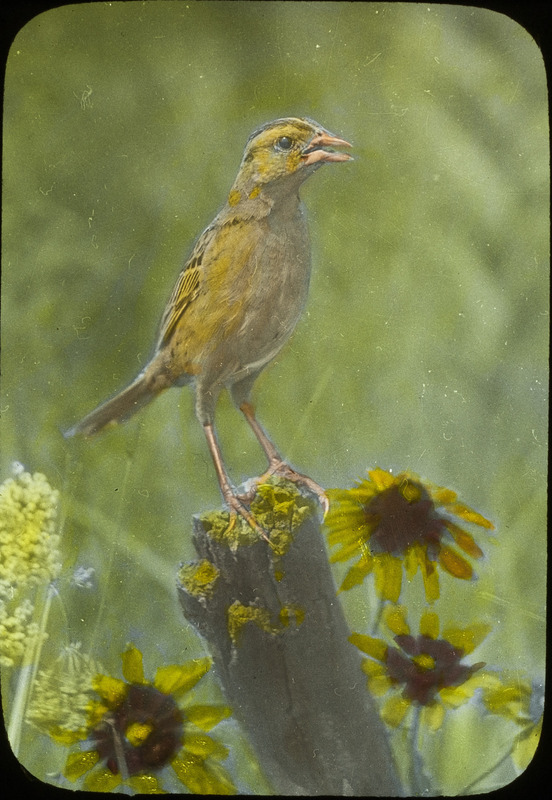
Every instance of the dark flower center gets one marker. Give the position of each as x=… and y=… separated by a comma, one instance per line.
x=401, y=516
x=143, y=732
x=425, y=666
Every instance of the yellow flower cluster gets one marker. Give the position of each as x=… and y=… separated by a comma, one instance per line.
x=29, y=555
x=16, y=628
x=62, y=695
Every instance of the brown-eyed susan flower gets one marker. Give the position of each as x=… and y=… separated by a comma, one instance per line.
x=424, y=670
x=396, y=521
x=136, y=728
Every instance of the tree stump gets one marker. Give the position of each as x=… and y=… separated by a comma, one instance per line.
x=279, y=641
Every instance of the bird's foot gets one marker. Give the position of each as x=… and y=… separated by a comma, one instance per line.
x=280, y=469
x=236, y=506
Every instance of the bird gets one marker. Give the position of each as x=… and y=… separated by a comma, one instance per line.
x=238, y=298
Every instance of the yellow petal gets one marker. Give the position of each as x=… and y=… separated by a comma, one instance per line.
x=133, y=670
x=200, y=744
x=395, y=619
x=454, y=564
x=112, y=690
x=348, y=550
x=429, y=624
x=464, y=540
x=179, y=678
x=97, y=710
x=206, y=716
x=382, y=479
x=379, y=681
x=456, y=696
x=477, y=680
x=372, y=647
x=510, y=699
x=357, y=573
x=503, y=699
x=433, y=715
x=378, y=686
x=443, y=496
x=79, y=763
x=102, y=780
x=431, y=579
x=363, y=491
x=388, y=576
x=65, y=737
x=468, y=514
x=337, y=496
x=413, y=558
x=467, y=638
x=394, y=710
x=525, y=745
x=145, y=784
x=201, y=778
x=372, y=668
x=343, y=529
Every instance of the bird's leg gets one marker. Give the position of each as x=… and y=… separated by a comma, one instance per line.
x=234, y=503
x=276, y=464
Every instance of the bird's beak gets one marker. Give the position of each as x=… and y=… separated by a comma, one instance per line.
x=316, y=152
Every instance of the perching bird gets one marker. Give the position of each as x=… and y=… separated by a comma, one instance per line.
x=239, y=295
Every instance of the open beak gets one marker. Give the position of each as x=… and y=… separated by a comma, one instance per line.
x=316, y=152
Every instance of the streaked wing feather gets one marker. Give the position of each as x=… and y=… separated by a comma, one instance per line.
x=183, y=293
x=186, y=288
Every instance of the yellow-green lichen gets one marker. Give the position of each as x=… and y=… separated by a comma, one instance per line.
x=239, y=616
x=232, y=531
x=292, y=612
x=278, y=507
x=199, y=578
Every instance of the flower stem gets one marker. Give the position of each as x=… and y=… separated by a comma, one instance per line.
x=420, y=785
x=377, y=618
x=487, y=772
x=27, y=673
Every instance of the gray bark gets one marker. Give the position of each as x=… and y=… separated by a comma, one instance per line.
x=296, y=688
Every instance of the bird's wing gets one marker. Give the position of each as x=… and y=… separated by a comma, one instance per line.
x=186, y=288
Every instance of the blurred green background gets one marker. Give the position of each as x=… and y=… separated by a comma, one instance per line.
x=425, y=341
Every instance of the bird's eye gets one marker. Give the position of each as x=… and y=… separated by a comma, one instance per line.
x=284, y=143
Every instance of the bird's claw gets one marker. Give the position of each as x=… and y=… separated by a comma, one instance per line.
x=236, y=505
x=282, y=470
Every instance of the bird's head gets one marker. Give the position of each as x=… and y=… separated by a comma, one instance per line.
x=284, y=148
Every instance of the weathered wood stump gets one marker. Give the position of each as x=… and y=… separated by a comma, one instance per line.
x=278, y=638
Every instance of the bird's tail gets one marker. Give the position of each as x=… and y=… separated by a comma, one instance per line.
x=119, y=408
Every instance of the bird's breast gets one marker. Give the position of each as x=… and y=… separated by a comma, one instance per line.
x=274, y=284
